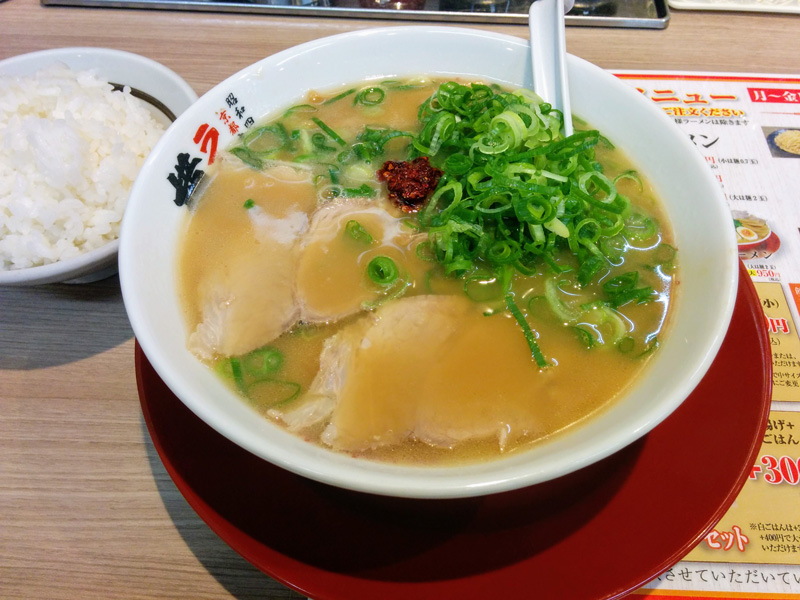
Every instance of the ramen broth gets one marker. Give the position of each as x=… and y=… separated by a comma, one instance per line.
x=429, y=369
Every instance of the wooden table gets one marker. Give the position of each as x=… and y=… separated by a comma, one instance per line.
x=86, y=507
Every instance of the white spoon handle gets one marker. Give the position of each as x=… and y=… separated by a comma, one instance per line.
x=549, y=55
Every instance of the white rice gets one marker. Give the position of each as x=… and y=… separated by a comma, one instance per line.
x=70, y=149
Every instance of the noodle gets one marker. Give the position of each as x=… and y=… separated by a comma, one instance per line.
x=789, y=141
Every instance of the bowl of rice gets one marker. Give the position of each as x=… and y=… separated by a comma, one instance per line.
x=76, y=124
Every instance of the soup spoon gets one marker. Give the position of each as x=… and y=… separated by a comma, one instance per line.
x=549, y=54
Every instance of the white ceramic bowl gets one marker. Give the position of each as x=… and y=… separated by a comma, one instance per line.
x=693, y=200
x=154, y=79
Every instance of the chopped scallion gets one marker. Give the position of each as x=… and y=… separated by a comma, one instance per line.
x=530, y=337
x=357, y=232
x=263, y=361
x=338, y=97
x=370, y=96
x=382, y=270
x=331, y=133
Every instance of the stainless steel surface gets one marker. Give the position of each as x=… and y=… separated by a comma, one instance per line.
x=647, y=14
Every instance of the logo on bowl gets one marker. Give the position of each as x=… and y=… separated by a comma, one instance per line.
x=186, y=175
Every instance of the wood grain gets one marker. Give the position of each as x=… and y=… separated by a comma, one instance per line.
x=86, y=508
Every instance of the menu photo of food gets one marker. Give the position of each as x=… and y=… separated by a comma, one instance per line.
x=783, y=142
x=754, y=236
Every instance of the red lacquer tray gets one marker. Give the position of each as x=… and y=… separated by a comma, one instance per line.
x=599, y=533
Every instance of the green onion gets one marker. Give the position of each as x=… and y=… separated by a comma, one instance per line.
x=626, y=344
x=247, y=157
x=333, y=174
x=290, y=389
x=262, y=143
x=249, y=203
x=584, y=337
x=263, y=361
x=370, y=96
x=364, y=190
x=597, y=185
x=536, y=353
x=370, y=144
x=267, y=139
x=425, y=251
x=515, y=190
x=621, y=283
x=639, y=227
x=238, y=376
x=482, y=287
x=256, y=369
x=664, y=254
x=331, y=133
x=564, y=312
x=623, y=289
x=390, y=292
x=357, y=232
x=338, y=97
x=589, y=269
x=320, y=142
x=299, y=108
x=633, y=176
x=457, y=164
x=611, y=320
x=382, y=270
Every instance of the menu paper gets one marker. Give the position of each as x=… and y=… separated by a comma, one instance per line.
x=747, y=128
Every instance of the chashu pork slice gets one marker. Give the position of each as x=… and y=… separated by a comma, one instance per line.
x=247, y=291
x=252, y=301
x=426, y=368
x=294, y=268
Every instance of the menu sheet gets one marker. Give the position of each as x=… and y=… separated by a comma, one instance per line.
x=747, y=129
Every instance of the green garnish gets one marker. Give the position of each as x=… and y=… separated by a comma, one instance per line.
x=515, y=190
x=633, y=176
x=664, y=254
x=639, y=227
x=622, y=289
x=516, y=193
x=290, y=389
x=482, y=287
x=262, y=144
x=584, y=337
x=320, y=142
x=370, y=96
x=364, y=190
x=370, y=144
x=626, y=344
x=331, y=133
x=382, y=270
x=357, y=232
x=258, y=369
x=338, y=97
x=249, y=203
x=530, y=337
x=300, y=108
x=238, y=376
x=263, y=361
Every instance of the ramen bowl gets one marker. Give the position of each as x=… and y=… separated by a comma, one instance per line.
x=690, y=196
